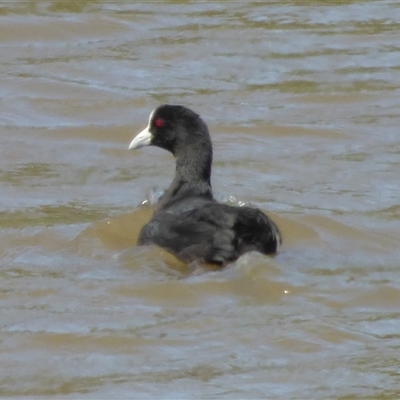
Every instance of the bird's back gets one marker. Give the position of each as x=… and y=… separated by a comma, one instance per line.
x=196, y=229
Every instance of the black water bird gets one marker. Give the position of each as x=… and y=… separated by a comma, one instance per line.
x=188, y=221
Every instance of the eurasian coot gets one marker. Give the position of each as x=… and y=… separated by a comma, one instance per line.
x=188, y=221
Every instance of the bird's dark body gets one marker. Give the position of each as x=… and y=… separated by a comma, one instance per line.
x=212, y=232
x=188, y=221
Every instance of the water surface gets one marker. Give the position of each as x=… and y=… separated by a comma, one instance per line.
x=302, y=101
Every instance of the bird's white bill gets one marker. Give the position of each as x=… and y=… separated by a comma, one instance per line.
x=141, y=140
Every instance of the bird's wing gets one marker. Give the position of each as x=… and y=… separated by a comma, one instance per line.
x=195, y=234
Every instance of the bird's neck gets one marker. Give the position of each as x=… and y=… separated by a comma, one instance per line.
x=192, y=179
x=194, y=167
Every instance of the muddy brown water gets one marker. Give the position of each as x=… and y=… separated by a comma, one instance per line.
x=302, y=99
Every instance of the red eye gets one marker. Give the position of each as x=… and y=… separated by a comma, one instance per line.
x=159, y=123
